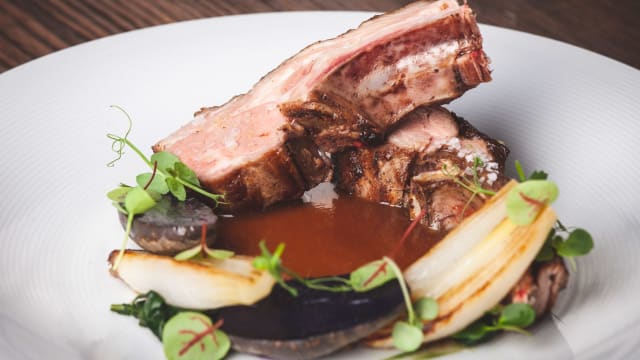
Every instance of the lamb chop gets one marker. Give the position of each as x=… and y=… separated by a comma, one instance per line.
x=419, y=164
x=272, y=143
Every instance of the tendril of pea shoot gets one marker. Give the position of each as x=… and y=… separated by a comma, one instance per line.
x=169, y=175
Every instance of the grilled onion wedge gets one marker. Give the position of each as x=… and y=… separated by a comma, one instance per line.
x=195, y=284
x=474, y=267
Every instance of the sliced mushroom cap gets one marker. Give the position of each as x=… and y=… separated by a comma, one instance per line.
x=313, y=324
x=172, y=226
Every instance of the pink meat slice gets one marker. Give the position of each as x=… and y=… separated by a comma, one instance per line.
x=350, y=88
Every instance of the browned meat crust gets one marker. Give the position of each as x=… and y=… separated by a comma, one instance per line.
x=272, y=178
x=413, y=174
x=379, y=174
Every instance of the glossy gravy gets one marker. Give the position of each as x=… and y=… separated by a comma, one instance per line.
x=327, y=234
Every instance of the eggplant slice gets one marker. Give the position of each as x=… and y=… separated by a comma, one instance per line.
x=313, y=324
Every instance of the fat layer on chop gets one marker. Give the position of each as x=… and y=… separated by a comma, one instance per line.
x=418, y=165
x=350, y=88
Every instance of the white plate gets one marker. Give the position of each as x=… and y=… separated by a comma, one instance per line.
x=560, y=108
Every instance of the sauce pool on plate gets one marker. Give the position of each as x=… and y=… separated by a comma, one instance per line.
x=327, y=234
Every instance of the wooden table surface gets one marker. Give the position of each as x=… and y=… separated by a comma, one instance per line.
x=33, y=28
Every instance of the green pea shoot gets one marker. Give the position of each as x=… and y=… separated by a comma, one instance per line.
x=513, y=317
x=169, y=175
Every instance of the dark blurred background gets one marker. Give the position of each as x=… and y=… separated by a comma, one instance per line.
x=33, y=28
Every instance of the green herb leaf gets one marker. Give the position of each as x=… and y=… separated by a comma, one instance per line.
x=431, y=351
x=260, y=263
x=561, y=226
x=118, y=194
x=578, y=243
x=370, y=276
x=271, y=263
x=191, y=336
x=166, y=161
x=527, y=199
x=520, y=171
x=176, y=188
x=218, y=253
x=158, y=184
x=186, y=174
x=426, y=308
x=473, y=333
x=512, y=317
x=189, y=253
x=546, y=252
x=138, y=201
x=150, y=309
x=538, y=175
x=119, y=207
x=406, y=337
x=518, y=315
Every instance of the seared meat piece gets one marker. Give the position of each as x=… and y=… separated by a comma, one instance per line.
x=380, y=173
x=349, y=88
x=540, y=285
x=417, y=167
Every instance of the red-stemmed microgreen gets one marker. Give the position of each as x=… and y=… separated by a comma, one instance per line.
x=192, y=336
x=527, y=199
x=382, y=265
x=202, y=250
x=561, y=241
x=272, y=263
x=185, y=335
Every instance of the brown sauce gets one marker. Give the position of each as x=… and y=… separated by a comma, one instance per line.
x=330, y=235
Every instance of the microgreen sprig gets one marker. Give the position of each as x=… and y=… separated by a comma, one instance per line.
x=513, y=317
x=168, y=169
x=185, y=335
x=272, y=263
x=473, y=185
x=527, y=199
x=567, y=243
x=150, y=309
x=169, y=175
x=202, y=250
x=524, y=203
x=407, y=335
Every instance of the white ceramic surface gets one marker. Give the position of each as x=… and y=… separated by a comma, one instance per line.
x=560, y=108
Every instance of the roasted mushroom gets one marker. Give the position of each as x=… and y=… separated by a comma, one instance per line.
x=172, y=226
